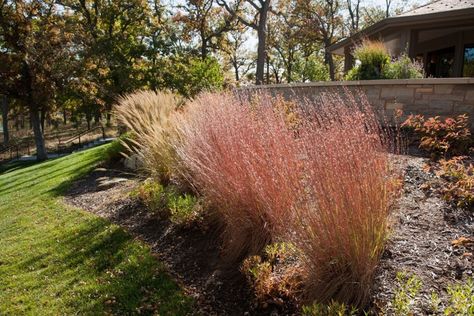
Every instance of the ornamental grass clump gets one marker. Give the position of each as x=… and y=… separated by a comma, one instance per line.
x=148, y=115
x=241, y=155
x=339, y=221
x=313, y=173
x=373, y=56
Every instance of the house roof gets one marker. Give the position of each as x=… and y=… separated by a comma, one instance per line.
x=439, y=6
x=435, y=12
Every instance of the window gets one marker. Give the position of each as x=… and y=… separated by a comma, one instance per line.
x=440, y=63
x=468, y=65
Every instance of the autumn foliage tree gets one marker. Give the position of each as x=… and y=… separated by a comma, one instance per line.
x=205, y=20
x=35, y=46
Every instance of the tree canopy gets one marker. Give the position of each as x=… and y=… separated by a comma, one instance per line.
x=76, y=57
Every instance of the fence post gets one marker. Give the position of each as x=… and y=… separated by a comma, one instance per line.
x=79, y=140
x=103, y=132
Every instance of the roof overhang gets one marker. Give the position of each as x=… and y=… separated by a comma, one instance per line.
x=415, y=21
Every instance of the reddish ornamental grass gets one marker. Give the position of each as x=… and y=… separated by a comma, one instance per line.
x=314, y=173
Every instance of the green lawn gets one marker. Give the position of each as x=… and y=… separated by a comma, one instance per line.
x=57, y=260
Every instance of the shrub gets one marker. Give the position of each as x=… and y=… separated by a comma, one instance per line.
x=441, y=138
x=151, y=194
x=403, y=68
x=331, y=309
x=189, y=76
x=460, y=298
x=320, y=180
x=373, y=56
x=275, y=276
x=148, y=115
x=460, y=176
x=168, y=202
x=310, y=69
x=375, y=63
x=408, y=289
x=183, y=207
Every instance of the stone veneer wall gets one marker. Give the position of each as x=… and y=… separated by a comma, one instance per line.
x=430, y=97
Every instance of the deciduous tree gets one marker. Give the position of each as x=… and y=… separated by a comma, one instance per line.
x=207, y=21
x=253, y=14
x=36, y=41
x=324, y=23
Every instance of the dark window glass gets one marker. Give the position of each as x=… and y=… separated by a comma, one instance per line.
x=468, y=66
x=440, y=63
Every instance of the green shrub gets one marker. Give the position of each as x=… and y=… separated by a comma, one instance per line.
x=151, y=193
x=461, y=299
x=331, y=309
x=189, y=76
x=182, y=207
x=373, y=56
x=403, y=68
x=310, y=69
x=374, y=63
x=408, y=289
x=168, y=201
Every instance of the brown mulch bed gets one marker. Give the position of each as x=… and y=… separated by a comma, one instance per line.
x=423, y=228
x=191, y=252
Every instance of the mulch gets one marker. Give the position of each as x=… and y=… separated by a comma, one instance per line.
x=190, y=252
x=423, y=227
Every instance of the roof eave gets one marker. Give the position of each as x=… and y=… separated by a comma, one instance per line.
x=400, y=20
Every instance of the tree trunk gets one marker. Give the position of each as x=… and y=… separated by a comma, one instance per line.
x=236, y=71
x=64, y=117
x=109, y=118
x=289, y=68
x=262, y=46
x=39, y=139
x=108, y=115
x=203, y=45
x=268, y=70
x=328, y=59
x=6, y=134
x=97, y=116
x=88, y=119
x=42, y=118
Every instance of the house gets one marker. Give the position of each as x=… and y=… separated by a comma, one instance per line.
x=440, y=35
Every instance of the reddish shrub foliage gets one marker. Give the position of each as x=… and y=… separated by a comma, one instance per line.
x=314, y=173
x=441, y=138
x=459, y=172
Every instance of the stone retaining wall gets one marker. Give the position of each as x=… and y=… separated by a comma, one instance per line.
x=430, y=97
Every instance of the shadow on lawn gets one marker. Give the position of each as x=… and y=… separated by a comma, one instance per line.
x=45, y=173
x=15, y=165
x=125, y=278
